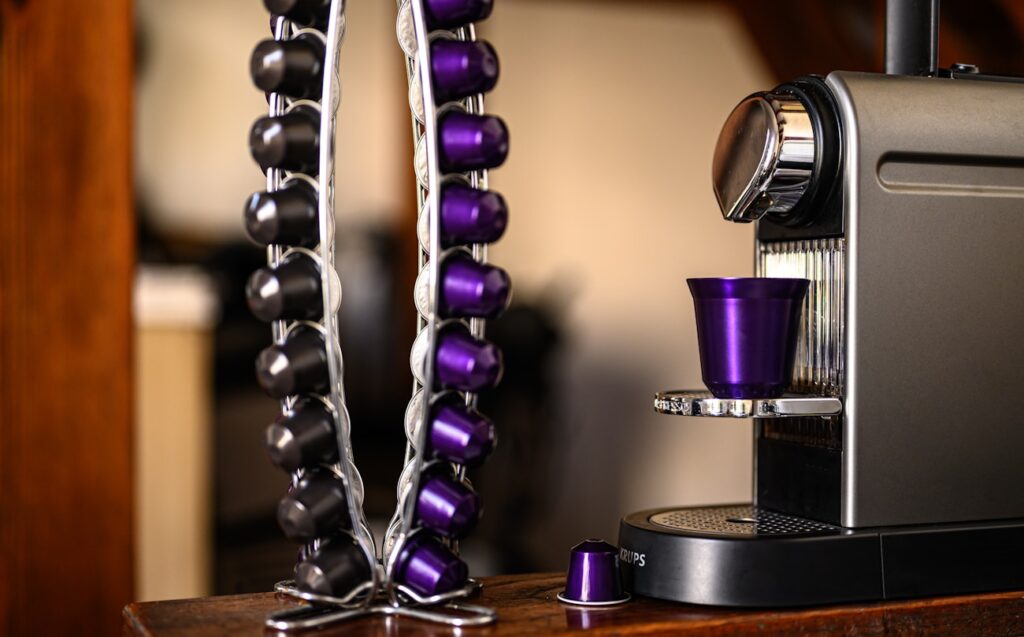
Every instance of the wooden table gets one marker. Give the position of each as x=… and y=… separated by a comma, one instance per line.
x=526, y=605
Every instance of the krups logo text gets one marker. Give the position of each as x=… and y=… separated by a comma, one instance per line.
x=632, y=557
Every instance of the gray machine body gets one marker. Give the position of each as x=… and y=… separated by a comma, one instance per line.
x=913, y=319
x=933, y=203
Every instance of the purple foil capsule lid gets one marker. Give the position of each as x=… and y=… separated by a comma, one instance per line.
x=471, y=289
x=472, y=142
x=429, y=568
x=460, y=435
x=462, y=68
x=470, y=215
x=456, y=13
x=446, y=506
x=465, y=363
x=593, y=576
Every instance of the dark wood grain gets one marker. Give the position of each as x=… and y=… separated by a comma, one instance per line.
x=66, y=260
x=526, y=606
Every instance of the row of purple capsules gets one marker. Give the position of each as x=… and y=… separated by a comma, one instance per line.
x=289, y=294
x=445, y=431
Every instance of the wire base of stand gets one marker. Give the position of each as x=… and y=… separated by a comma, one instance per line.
x=324, y=610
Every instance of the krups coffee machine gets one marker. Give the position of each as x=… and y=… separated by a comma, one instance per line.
x=894, y=467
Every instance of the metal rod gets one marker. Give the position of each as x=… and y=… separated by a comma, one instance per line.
x=433, y=203
x=912, y=37
x=331, y=96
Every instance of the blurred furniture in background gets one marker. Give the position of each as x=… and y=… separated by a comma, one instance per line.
x=797, y=37
x=66, y=262
x=526, y=606
x=175, y=313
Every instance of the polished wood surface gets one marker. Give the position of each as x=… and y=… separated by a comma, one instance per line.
x=526, y=605
x=66, y=261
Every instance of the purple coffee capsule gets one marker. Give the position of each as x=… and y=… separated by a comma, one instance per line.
x=462, y=362
x=471, y=142
x=747, y=330
x=471, y=289
x=467, y=364
x=459, y=434
x=297, y=366
x=290, y=290
x=429, y=568
x=335, y=569
x=449, y=14
x=462, y=68
x=446, y=506
x=468, y=288
x=290, y=141
x=304, y=438
x=287, y=216
x=593, y=578
x=314, y=508
x=471, y=215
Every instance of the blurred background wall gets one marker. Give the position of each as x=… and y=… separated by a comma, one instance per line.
x=614, y=114
x=614, y=109
x=130, y=451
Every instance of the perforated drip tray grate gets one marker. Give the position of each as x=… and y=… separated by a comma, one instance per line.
x=743, y=520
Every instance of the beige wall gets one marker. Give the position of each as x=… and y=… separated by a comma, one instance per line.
x=614, y=109
x=195, y=105
x=175, y=310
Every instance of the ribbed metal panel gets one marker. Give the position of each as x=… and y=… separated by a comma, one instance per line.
x=820, y=351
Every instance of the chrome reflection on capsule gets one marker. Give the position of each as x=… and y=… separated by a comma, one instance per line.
x=764, y=159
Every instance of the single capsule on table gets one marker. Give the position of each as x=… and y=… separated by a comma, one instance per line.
x=303, y=438
x=314, y=508
x=289, y=142
x=289, y=291
x=296, y=366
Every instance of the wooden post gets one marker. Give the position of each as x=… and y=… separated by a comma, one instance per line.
x=66, y=265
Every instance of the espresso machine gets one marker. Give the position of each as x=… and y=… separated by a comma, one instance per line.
x=893, y=466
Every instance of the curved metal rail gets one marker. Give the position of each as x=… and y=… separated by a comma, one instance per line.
x=331, y=97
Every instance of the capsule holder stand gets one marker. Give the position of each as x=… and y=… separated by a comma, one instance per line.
x=381, y=593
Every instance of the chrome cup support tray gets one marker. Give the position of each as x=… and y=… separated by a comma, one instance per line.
x=703, y=403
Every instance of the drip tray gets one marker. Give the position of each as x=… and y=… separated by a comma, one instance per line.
x=702, y=403
x=738, y=521
x=743, y=555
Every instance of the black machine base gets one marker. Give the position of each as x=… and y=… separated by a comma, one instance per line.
x=740, y=555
